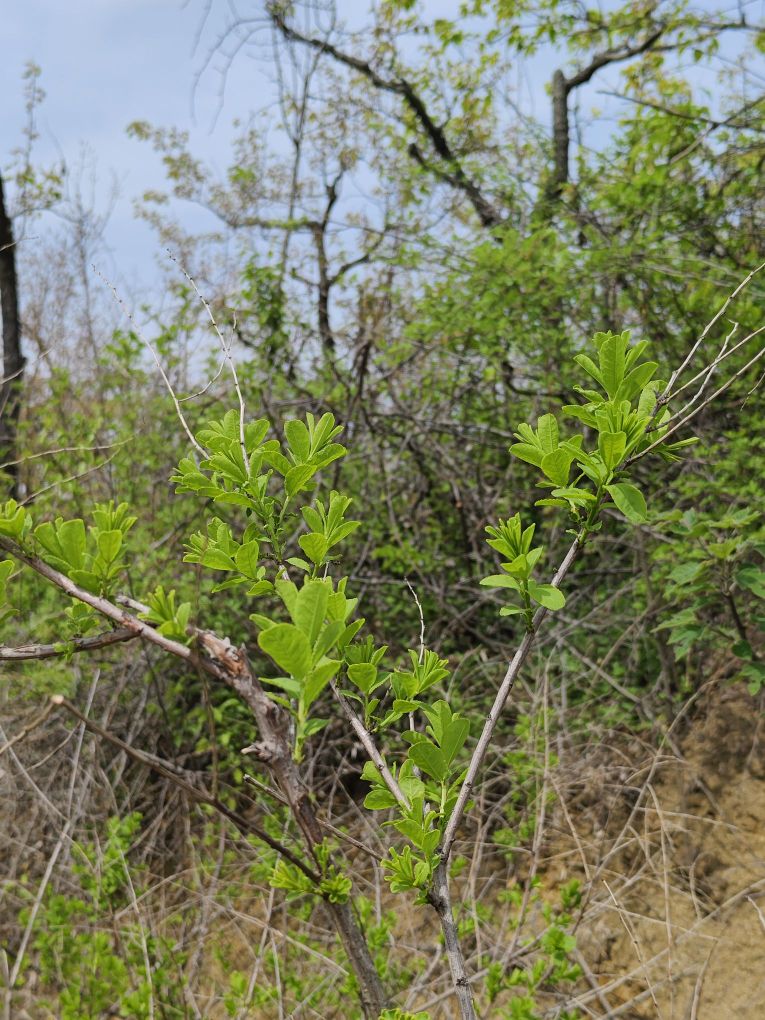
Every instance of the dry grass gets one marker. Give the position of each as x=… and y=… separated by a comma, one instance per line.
x=665, y=829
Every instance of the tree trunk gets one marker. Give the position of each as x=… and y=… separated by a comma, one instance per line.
x=560, y=90
x=13, y=361
x=273, y=750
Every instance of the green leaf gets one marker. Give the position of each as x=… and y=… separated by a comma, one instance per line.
x=439, y=716
x=404, y=705
x=612, y=446
x=371, y=774
x=231, y=582
x=318, y=679
x=363, y=675
x=298, y=439
x=230, y=464
x=64, y=541
x=289, y=684
x=454, y=737
x=547, y=595
x=379, y=799
x=71, y=536
x=328, y=637
x=753, y=578
x=520, y=567
x=247, y=559
x=612, y=363
x=329, y=453
x=12, y=519
x=310, y=608
x=531, y=454
x=413, y=831
x=630, y=501
x=109, y=545
x=590, y=367
x=411, y=786
x=547, y=430
x=500, y=581
x=296, y=478
x=314, y=546
x=575, y=494
x=233, y=498
x=584, y=414
x=288, y=647
x=86, y=579
x=755, y=673
x=298, y=561
x=313, y=726
x=276, y=459
x=350, y=633
x=262, y=622
x=6, y=569
x=287, y=592
x=635, y=381
x=430, y=759
x=557, y=465
x=684, y=573
x=215, y=559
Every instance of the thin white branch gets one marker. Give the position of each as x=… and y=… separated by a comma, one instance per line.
x=707, y=375
x=157, y=362
x=719, y=358
x=705, y=332
x=371, y=748
x=697, y=410
x=225, y=347
x=422, y=619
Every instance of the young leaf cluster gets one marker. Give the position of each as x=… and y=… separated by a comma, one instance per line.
x=308, y=650
x=430, y=778
x=238, y=469
x=623, y=418
x=92, y=557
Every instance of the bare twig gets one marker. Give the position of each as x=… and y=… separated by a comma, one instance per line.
x=700, y=407
x=26, y=730
x=665, y=396
x=157, y=362
x=225, y=347
x=370, y=747
x=417, y=602
x=402, y=87
x=81, y=644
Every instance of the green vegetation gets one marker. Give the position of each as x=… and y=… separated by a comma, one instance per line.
x=308, y=633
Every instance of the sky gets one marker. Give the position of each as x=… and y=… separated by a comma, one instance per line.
x=106, y=63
